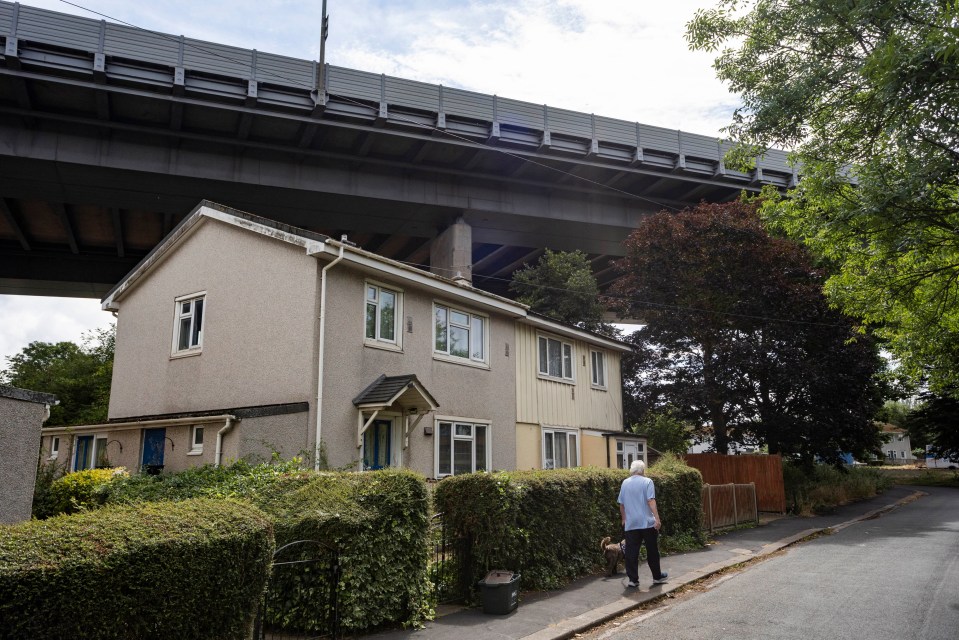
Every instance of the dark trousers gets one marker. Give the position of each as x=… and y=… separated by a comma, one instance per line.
x=634, y=538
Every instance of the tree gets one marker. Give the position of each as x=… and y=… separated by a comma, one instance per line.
x=739, y=336
x=666, y=431
x=79, y=375
x=867, y=95
x=936, y=422
x=562, y=286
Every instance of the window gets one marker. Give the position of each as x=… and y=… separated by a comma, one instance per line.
x=555, y=358
x=462, y=447
x=598, y=361
x=90, y=452
x=459, y=334
x=560, y=449
x=627, y=452
x=382, y=314
x=55, y=447
x=188, y=331
x=196, y=439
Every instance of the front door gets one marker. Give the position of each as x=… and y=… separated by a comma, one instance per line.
x=154, y=441
x=377, y=444
x=630, y=453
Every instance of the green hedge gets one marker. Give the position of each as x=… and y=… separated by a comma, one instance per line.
x=377, y=521
x=192, y=569
x=547, y=525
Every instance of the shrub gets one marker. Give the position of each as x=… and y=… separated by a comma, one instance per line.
x=186, y=570
x=81, y=490
x=824, y=487
x=547, y=525
x=43, y=502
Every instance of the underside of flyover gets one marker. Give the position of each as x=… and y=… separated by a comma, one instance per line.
x=110, y=135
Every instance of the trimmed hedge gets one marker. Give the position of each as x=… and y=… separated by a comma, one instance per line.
x=378, y=521
x=547, y=525
x=188, y=570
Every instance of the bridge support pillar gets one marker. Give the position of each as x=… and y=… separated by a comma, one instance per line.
x=451, y=254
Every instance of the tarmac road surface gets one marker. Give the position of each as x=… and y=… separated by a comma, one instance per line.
x=894, y=577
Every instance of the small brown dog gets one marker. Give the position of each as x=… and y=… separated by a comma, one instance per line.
x=613, y=552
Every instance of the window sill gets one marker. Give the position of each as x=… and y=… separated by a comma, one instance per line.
x=194, y=452
x=185, y=354
x=547, y=378
x=461, y=361
x=384, y=346
x=597, y=387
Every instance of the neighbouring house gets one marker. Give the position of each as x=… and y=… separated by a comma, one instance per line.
x=896, y=445
x=239, y=336
x=22, y=414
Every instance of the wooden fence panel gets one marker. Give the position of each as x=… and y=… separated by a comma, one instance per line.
x=727, y=505
x=765, y=471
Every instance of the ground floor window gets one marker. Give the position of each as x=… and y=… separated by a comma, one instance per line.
x=560, y=449
x=462, y=447
x=55, y=447
x=90, y=452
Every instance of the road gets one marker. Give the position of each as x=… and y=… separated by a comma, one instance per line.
x=889, y=578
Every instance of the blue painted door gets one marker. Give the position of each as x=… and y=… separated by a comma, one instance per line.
x=377, y=443
x=83, y=454
x=154, y=441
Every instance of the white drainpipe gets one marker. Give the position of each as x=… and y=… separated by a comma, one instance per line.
x=219, y=441
x=319, y=366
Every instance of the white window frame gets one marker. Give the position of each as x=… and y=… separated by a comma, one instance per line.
x=97, y=437
x=54, y=447
x=453, y=422
x=179, y=314
x=564, y=359
x=377, y=340
x=196, y=449
x=602, y=380
x=553, y=432
x=473, y=317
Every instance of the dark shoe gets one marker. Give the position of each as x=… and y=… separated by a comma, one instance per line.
x=662, y=578
x=632, y=584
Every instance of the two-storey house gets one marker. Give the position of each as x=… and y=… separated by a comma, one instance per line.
x=239, y=336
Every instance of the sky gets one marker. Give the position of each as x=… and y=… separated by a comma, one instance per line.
x=623, y=59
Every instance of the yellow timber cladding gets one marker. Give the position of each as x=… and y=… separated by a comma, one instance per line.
x=544, y=403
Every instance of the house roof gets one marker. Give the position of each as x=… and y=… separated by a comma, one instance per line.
x=26, y=395
x=386, y=391
x=324, y=247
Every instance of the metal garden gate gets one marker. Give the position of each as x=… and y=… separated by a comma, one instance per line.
x=447, y=568
x=300, y=602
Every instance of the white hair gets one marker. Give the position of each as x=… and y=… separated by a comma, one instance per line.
x=638, y=468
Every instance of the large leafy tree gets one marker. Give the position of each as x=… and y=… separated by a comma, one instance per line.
x=866, y=92
x=561, y=285
x=79, y=375
x=739, y=336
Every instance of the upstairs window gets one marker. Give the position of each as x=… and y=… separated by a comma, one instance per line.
x=555, y=358
x=459, y=334
x=188, y=331
x=598, y=367
x=382, y=314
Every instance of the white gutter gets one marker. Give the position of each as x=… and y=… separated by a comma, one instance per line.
x=319, y=365
x=135, y=424
x=218, y=457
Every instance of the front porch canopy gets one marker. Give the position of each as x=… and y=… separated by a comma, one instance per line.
x=400, y=393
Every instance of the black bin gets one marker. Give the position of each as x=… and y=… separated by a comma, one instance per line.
x=500, y=590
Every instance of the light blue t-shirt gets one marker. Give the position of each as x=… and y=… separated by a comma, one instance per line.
x=635, y=495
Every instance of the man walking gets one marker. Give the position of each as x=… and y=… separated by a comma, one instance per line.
x=637, y=508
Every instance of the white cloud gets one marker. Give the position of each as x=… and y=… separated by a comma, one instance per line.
x=27, y=319
x=618, y=58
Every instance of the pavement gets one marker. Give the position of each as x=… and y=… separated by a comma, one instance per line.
x=593, y=600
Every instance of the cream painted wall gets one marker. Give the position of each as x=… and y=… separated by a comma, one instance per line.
x=529, y=446
x=478, y=393
x=594, y=449
x=563, y=404
x=258, y=289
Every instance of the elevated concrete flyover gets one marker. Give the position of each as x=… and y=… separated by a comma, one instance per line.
x=110, y=134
